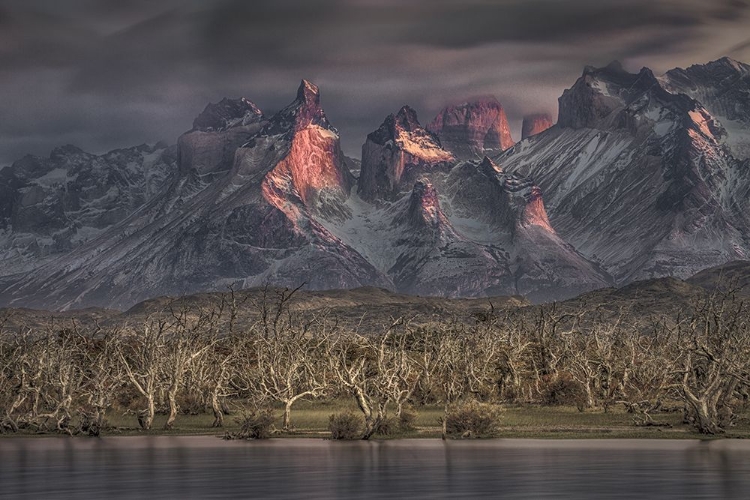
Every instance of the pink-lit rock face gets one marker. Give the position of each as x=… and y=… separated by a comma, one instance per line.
x=396, y=154
x=535, y=124
x=314, y=163
x=469, y=130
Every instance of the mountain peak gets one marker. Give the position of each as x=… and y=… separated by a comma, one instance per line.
x=406, y=119
x=308, y=93
x=468, y=130
x=66, y=150
x=424, y=206
x=592, y=102
x=397, y=153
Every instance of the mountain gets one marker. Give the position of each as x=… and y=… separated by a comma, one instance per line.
x=218, y=223
x=49, y=206
x=723, y=87
x=396, y=154
x=642, y=177
x=454, y=228
x=638, y=178
x=473, y=129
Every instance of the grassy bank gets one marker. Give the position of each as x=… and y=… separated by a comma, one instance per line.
x=310, y=419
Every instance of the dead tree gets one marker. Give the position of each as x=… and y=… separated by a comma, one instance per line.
x=374, y=370
x=140, y=354
x=713, y=349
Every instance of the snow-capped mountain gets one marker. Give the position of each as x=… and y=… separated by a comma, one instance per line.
x=637, y=178
x=49, y=206
x=640, y=177
x=252, y=223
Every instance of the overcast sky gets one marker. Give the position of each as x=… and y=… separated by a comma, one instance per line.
x=103, y=74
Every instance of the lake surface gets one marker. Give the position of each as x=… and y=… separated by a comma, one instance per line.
x=207, y=467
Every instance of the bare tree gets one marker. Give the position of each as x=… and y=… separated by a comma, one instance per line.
x=713, y=350
x=140, y=354
x=376, y=370
x=182, y=345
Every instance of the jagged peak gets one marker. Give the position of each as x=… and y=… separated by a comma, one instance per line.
x=308, y=93
x=303, y=112
x=726, y=62
x=406, y=119
x=424, y=205
x=599, y=92
x=404, y=127
x=613, y=67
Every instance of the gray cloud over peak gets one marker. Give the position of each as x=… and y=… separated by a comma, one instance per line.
x=108, y=73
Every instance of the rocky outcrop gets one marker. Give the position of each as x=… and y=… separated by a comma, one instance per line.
x=221, y=128
x=396, y=154
x=506, y=201
x=535, y=124
x=423, y=211
x=473, y=129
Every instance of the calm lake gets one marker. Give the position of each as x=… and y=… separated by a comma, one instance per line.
x=207, y=467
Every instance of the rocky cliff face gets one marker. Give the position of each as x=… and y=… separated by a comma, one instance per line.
x=314, y=169
x=474, y=129
x=535, y=124
x=221, y=128
x=396, y=154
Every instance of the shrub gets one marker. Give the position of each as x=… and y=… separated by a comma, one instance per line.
x=563, y=390
x=191, y=404
x=407, y=418
x=472, y=419
x=387, y=426
x=257, y=424
x=345, y=426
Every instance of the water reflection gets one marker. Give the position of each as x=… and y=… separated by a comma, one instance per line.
x=206, y=467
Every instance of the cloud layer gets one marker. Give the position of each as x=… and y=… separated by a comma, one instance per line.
x=114, y=73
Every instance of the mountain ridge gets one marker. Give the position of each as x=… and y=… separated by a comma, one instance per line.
x=637, y=179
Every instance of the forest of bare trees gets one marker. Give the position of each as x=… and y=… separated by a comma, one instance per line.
x=67, y=378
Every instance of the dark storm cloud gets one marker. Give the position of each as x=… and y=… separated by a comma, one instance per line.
x=109, y=73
